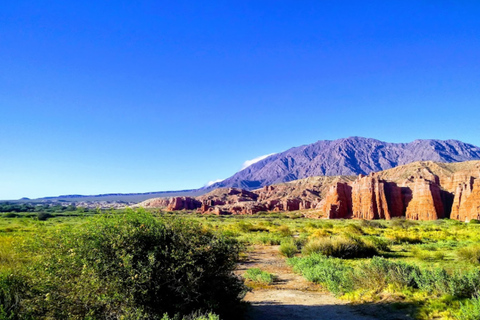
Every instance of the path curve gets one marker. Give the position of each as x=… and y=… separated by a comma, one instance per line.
x=293, y=297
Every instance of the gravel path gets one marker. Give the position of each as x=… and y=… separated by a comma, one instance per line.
x=292, y=297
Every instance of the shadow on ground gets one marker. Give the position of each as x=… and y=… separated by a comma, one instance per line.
x=376, y=311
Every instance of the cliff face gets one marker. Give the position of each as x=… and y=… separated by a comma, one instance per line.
x=426, y=203
x=373, y=198
x=419, y=191
x=338, y=202
x=466, y=205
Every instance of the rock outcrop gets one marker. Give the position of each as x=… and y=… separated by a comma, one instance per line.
x=418, y=191
x=466, y=204
x=426, y=203
x=183, y=203
x=338, y=202
x=373, y=198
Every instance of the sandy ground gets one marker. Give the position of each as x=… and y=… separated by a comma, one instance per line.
x=292, y=297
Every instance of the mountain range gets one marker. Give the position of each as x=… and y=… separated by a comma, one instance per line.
x=343, y=157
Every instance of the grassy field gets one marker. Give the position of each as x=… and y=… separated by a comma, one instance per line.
x=432, y=265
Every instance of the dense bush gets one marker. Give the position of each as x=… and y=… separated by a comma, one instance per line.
x=341, y=247
x=134, y=266
x=12, y=290
x=470, y=310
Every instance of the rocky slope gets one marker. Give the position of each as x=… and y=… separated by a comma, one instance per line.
x=420, y=191
x=350, y=156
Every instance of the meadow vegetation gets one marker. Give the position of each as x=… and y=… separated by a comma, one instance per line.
x=147, y=265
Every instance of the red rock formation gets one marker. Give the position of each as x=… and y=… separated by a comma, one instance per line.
x=426, y=203
x=373, y=198
x=337, y=204
x=182, y=203
x=156, y=203
x=466, y=204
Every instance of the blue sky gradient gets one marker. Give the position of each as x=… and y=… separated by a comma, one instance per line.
x=138, y=96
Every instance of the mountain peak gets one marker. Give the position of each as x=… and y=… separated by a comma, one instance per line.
x=347, y=156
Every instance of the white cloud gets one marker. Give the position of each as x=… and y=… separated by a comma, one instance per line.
x=250, y=162
x=209, y=183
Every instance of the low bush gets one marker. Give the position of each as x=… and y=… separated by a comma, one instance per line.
x=469, y=254
x=469, y=310
x=333, y=273
x=371, y=224
x=284, y=231
x=135, y=266
x=380, y=243
x=378, y=273
x=428, y=255
x=12, y=293
x=259, y=276
x=264, y=238
x=288, y=248
x=43, y=216
x=340, y=247
x=353, y=229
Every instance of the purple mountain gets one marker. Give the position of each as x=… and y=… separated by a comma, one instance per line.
x=350, y=156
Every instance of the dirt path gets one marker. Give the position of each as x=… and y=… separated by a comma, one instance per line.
x=292, y=297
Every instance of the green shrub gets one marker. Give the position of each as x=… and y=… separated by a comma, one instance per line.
x=340, y=247
x=427, y=255
x=284, y=231
x=435, y=280
x=13, y=289
x=470, y=254
x=353, y=229
x=288, y=248
x=135, y=266
x=43, y=216
x=371, y=224
x=470, y=310
x=259, y=276
x=333, y=273
x=264, y=238
x=402, y=223
x=10, y=215
x=381, y=244
x=380, y=272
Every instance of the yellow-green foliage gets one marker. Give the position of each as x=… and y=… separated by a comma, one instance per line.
x=340, y=247
x=259, y=276
x=469, y=254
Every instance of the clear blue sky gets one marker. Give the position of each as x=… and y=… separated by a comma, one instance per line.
x=137, y=96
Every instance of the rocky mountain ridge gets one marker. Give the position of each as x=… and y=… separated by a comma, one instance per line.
x=422, y=190
x=349, y=156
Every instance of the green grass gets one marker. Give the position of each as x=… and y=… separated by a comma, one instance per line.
x=259, y=276
x=445, y=253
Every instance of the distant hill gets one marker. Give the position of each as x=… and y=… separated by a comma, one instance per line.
x=112, y=197
x=349, y=156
